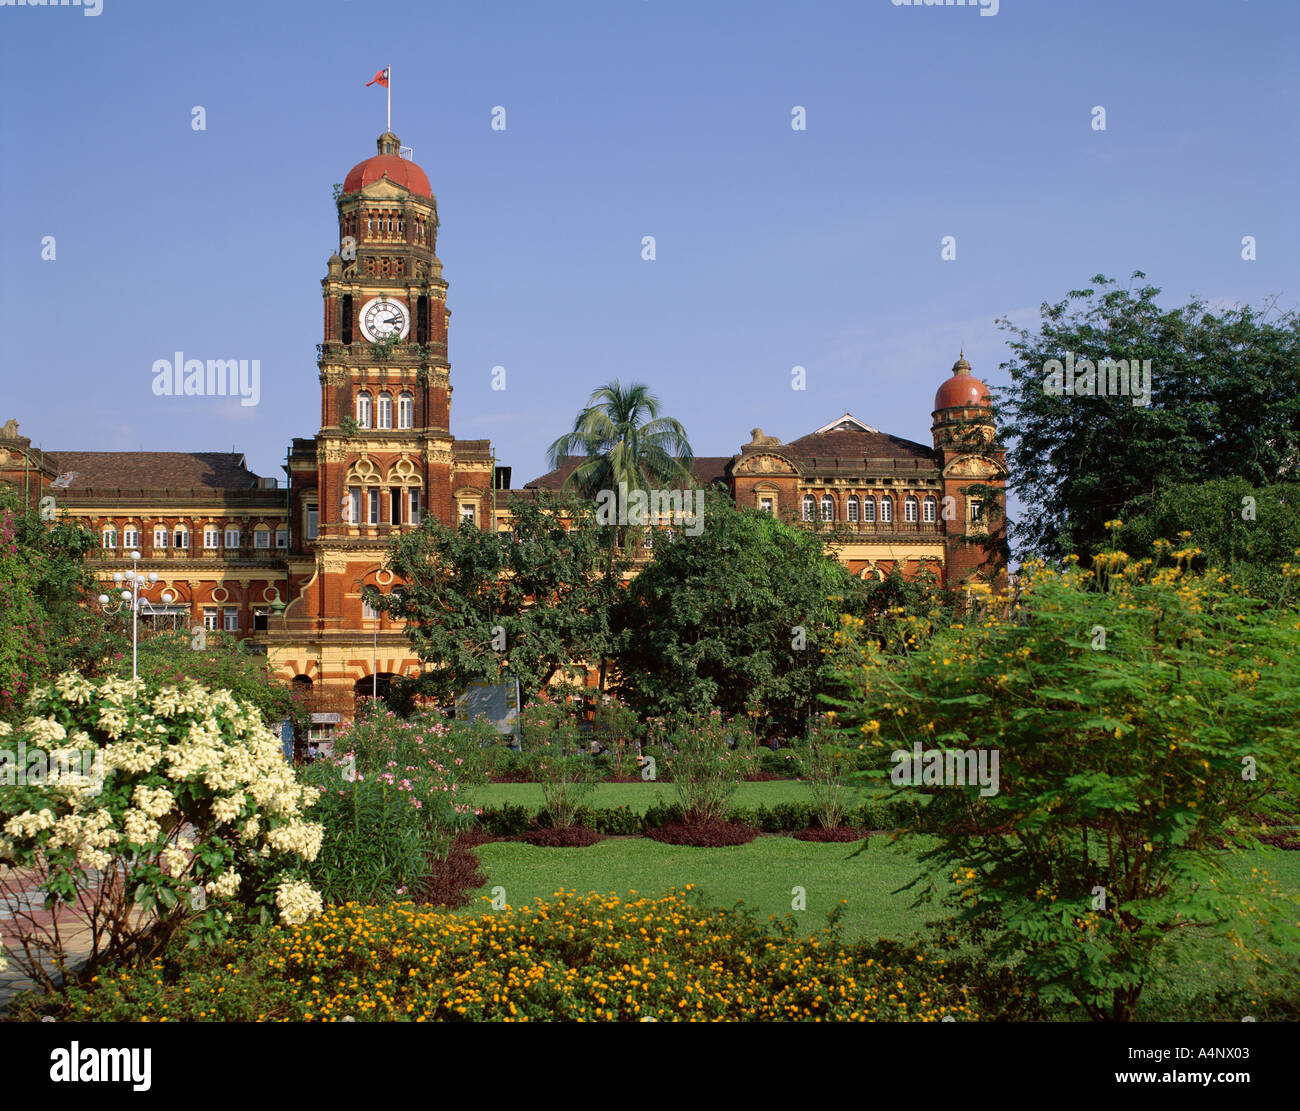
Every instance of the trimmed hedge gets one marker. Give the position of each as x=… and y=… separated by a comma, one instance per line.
x=621, y=821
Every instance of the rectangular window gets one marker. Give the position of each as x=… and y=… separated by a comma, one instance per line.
x=313, y=519
x=110, y=538
x=210, y=619
x=372, y=496
x=354, y=505
x=232, y=538
x=160, y=537
x=467, y=513
x=259, y=621
x=368, y=612
x=282, y=538
x=976, y=510
x=765, y=505
x=414, y=516
x=130, y=538
x=395, y=505
x=210, y=537
x=181, y=538
x=262, y=538
x=232, y=620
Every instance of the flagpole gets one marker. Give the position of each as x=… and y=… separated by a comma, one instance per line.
x=389, y=84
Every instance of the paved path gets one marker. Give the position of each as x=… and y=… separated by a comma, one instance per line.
x=31, y=898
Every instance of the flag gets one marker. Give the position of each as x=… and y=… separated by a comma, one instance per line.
x=380, y=78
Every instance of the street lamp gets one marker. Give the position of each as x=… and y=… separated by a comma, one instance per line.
x=132, y=598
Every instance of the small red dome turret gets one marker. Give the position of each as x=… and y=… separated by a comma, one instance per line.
x=388, y=163
x=962, y=389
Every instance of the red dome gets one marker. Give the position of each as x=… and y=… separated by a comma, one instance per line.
x=398, y=170
x=962, y=389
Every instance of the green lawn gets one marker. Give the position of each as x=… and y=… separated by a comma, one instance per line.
x=760, y=874
x=641, y=796
x=1208, y=982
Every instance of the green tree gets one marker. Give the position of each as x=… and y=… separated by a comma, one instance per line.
x=1141, y=715
x=46, y=590
x=480, y=604
x=1251, y=532
x=1225, y=401
x=623, y=439
x=731, y=619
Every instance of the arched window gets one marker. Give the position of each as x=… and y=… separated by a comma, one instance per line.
x=828, y=508
x=363, y=409
x=110, y=538
x=385, y=410
x=853, y=508
x=886, y=508
x=809, y=507
x=405, y=410
x=869, y=510
x=910, y=507
x=929, y=511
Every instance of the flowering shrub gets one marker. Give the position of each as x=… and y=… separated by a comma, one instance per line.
x=824, y=762
x=573, y=958
x=1145, y=714
x=198, y=820
x=708, y=756
x=552, y=745
x=392, y=796
x=433, y=762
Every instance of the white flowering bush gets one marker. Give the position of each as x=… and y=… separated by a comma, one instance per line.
x=198, y=822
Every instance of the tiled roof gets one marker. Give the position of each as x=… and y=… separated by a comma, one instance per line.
x=156, y=470
x=852, y=448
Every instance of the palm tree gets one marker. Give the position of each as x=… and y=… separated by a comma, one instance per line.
x=623, y=439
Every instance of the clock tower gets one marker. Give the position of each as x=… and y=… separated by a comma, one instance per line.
x=384, y=457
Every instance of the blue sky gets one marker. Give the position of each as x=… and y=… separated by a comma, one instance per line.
x=625, y=118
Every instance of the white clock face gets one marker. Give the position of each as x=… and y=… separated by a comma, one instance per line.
x=383, y=317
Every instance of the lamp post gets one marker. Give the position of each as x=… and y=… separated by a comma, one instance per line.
x=132, y=597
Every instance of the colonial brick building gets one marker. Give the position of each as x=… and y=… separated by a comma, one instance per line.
x=286, y=565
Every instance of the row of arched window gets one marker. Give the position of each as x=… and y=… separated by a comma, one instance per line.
x=372, y=414
x=386, y=224
x=866, y=509
x=178, y=537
